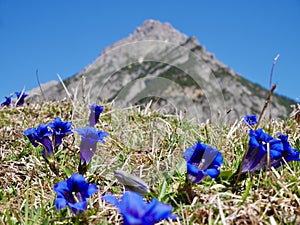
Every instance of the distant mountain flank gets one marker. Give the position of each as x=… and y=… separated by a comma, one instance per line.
x=159, y=63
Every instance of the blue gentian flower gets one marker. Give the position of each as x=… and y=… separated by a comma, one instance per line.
x=202, y=161
x=89, y=138
x=41, y=135
x=6, y=102
x=250, y=120
x=256, y=157
x=136, y=211
x=288, y=154
x=60, y=130
x=95, y=113
x=73, y=193
x=31, y=134
x=20, y=97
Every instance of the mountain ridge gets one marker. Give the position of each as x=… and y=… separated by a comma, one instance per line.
x=160, y=63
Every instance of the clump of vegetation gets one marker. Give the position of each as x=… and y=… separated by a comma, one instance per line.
x=186, y=172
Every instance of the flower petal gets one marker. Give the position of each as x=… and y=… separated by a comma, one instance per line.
x=92, y=189
x=96, y=110
x=250, y=120
x=158, y=211
x=192, y=170
x=133, y=204
x=188, y=153
x=200, y=158
x=135, y=210
x=102, y=135
x=60, y=203
x=82, y=205
x=73, y=192
x=111, y=199
x=31, y=134
x=213, y=173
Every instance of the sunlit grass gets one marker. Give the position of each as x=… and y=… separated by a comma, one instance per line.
x=150, y=145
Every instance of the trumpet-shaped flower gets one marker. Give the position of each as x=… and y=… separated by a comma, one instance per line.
x=136, y=211
x=73, y=193
x=288, y=154
x=20, y=97
x=6, y=102
x=250, y=120
x=31, y=134
x=41, y=135
x=256, y=157
x=60, y=130
x=96, y=110
x=259, y=143
x=202, y=161
x=89, y=138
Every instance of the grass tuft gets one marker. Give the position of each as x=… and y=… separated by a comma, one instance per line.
x=150, y=145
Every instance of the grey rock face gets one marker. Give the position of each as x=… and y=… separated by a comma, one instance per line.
x=158, y=62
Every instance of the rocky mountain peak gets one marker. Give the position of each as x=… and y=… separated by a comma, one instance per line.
x=155, y=30
x=161, y=35
x=152, y=30
x=158, y=61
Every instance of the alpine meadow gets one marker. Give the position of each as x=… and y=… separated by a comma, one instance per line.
x=155, y=131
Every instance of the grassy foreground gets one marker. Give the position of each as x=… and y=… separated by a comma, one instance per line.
x=150, y=145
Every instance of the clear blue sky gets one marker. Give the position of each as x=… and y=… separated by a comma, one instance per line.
x=65, y=36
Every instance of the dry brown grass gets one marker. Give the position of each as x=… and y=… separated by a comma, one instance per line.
x=150, y=145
